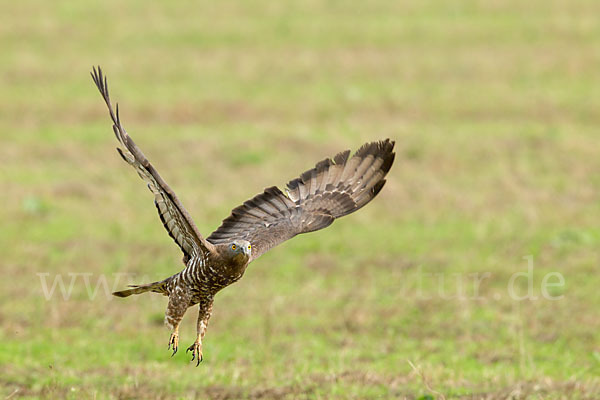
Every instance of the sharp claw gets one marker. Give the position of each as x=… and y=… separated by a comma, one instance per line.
x=196, y=353
x=173, y=344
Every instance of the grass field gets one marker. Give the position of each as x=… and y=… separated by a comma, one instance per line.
x=494, y=106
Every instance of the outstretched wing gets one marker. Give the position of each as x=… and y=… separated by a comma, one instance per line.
x=332, y=189
x=173, y=215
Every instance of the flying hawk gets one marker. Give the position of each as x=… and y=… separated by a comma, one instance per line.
x=333, y=188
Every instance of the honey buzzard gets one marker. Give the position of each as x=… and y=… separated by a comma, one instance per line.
x=333, y=188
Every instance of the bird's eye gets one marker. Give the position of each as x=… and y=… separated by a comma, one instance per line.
x=233, y=247
x=249, y=247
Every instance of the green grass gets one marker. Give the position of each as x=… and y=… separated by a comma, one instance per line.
x=494, y=108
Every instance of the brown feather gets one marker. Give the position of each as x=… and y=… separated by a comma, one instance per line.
x=332, y=189
x=172, y=213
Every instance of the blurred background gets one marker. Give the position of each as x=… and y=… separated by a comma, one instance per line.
x=494, y=109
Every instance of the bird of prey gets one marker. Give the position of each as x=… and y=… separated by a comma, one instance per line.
x=333, y=188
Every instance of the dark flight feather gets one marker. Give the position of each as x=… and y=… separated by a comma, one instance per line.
x=172, y=213
x=330, y=190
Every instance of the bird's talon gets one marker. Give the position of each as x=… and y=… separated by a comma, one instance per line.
x=196, y=350
x=174, y=342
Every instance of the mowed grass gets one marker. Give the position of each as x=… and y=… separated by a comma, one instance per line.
x=494, y=109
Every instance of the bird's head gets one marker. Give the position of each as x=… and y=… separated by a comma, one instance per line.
x=239, y=251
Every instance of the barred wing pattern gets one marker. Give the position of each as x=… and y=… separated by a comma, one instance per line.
x=173, y=215
x=332, y=189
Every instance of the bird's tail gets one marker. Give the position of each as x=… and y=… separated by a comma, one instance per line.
x=156, y=287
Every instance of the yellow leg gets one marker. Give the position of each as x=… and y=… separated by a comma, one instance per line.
x=203, y=316
x=178, y=304
x=196, y=349
x=174, y=340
